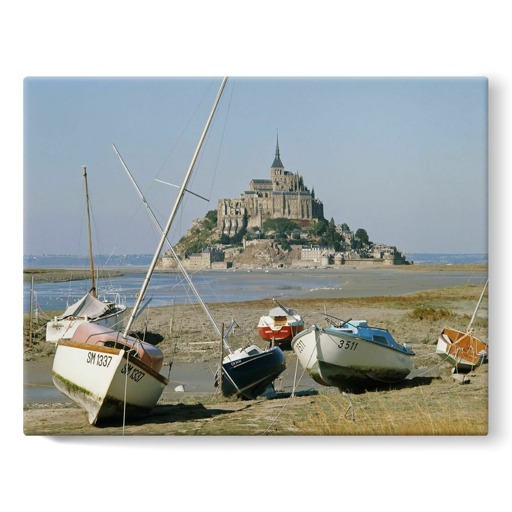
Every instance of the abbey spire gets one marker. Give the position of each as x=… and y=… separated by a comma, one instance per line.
x=277, y=159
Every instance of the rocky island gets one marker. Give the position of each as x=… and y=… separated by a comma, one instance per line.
x=277, y=222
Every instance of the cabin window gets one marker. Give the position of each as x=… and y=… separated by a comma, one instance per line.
x=380, y=339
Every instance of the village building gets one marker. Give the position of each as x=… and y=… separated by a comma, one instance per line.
x=210, y=258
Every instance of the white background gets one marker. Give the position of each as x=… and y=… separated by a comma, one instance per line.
x=278, y=38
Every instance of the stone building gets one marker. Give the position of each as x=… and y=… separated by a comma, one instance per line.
x=209, y=258
x=284, y=195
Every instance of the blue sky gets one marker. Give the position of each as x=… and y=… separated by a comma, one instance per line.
x=403, y=158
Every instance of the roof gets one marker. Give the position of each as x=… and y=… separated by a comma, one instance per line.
x=277, y=159
x=277, y=162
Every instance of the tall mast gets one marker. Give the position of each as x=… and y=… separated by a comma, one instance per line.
x=171, y=249
x=93, y=287
x=167, y=228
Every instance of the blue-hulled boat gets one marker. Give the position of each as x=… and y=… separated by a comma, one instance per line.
x=249, y=372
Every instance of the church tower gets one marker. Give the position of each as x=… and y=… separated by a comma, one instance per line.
x=277, y=169
x=283, y=195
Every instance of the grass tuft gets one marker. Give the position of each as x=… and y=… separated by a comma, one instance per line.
x=430, y=313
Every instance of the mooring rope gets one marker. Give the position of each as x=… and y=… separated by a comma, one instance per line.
x=290, y=398
x=125, y=389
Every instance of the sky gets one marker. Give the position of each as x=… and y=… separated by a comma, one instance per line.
x=404, y=158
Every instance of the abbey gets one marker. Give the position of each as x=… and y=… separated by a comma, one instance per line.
x=284, y=195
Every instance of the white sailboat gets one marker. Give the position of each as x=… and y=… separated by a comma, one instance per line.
x=89, y=308
x=462, y=349
x=109, y=373
x=352, y=355
x=246, y=372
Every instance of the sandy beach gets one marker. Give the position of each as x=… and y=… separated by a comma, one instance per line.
x=429, y=402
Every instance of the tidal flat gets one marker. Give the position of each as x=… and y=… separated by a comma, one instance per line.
x=428, y=403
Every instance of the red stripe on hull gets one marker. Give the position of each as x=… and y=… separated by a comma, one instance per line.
x=285, y=333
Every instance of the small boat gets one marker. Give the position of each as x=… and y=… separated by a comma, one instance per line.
x=250, y=372
x=463, y=350
x=89, y=308
x=111, y=374
x=352, y=355
x=108, y=374
x=280, y=325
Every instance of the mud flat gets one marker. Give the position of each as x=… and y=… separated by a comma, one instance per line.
x=430, y=402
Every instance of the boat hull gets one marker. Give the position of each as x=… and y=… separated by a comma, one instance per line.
x=105, y=382
x=279, y=334
x=349, y=362
x=65, y=328
x=280, y=325
x=249, y=377
x=461, y=350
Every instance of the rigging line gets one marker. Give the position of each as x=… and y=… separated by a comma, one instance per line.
x=125, y=389
x=193, y=179
x=290, y=398
x=430, y=368
x=200, y=159
x=223, y=308
x=221, y=140
x=130, y=223
x=187, y=124
x=107, y=275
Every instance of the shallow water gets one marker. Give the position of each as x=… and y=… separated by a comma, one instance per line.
x=196, y=379
x=242, y=285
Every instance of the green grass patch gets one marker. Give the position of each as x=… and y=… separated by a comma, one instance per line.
x=430, y=313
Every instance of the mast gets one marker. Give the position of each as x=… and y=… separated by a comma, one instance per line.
x=477, y=306
x=93, y=287
x=167, y=228
x=171, y=249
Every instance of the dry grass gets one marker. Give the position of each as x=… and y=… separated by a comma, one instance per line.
x=430, y=313
x=442, y=408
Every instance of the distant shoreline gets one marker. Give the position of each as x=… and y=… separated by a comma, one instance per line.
x=60, y=274
x=54, y=275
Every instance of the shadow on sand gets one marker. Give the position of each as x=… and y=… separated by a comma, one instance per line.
x=171, y=413
x=407, y=383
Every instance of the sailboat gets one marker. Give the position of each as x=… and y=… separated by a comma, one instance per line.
x=247, y=372
x=89, y=308
x=463, y=350
x=352, y=355
x=108, y=373
x=280, y=324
